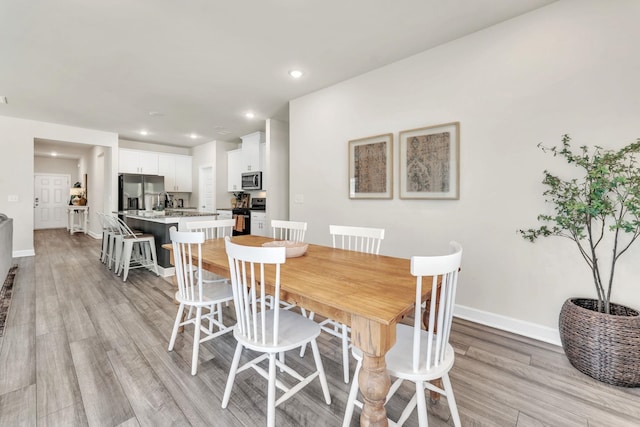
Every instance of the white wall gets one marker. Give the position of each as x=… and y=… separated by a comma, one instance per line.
x=57, y=166
x=16, y=170
x=98, y=196
x=277, y=171
x=571, y=67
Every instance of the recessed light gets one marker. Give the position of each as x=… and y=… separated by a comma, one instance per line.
x=53, y=154
x=155, y=113
x=249, y=115
x=3, y=100
x=144, y=132
x=193, y=136
x=296, y=74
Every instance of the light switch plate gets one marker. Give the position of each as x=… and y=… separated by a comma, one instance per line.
x=12, y=198
x=298, y=198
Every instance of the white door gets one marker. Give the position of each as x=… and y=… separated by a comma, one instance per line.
x=51, y=194
x=206, y=199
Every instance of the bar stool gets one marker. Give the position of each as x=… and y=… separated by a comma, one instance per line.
x=110, y=240
x=144, y=255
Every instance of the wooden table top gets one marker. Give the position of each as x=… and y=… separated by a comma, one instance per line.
x=334, y=283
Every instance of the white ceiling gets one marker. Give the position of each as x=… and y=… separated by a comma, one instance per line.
x=203, y=63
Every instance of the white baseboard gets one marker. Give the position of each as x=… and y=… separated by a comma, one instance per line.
x=520, y=327
x=95, y=235
x=20, y=254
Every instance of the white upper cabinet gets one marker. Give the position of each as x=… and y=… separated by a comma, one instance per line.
x=248, y=158
x=177, y=171
x=234, y=170
x=251, y=151
x=184, y=173
x=136, y=161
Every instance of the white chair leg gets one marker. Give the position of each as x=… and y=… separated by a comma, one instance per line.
x=302, y=350
x=117, y=258
x=126, y=259
x=353, y=393
x=321, y=375
x=345, y=354
x=152, y=246
x=271, y=392
x=453, y=407
x=112, y=251
x=176, y=326
x=232, y=375
x=423, y=420
x=196, y=341
x=105, y=245
x=219, y=308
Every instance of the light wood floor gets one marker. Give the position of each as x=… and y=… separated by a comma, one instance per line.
x=83, y=348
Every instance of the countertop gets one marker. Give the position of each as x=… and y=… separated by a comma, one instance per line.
x=167, y=216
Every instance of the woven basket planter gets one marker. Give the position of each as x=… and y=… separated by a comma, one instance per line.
x=604, y=346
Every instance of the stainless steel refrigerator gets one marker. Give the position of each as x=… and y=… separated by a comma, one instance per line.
x=139, y=192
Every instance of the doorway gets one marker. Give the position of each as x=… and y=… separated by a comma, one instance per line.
x=51, y=198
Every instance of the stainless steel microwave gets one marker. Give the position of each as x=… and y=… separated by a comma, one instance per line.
x=252, y=181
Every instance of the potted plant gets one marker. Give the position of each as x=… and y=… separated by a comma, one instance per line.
x=600, y=212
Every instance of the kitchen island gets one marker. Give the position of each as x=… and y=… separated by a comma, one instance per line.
x=158, y=224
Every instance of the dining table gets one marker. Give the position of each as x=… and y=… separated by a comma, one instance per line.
x=369, y=293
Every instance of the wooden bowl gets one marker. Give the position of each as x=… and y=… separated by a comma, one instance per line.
x=293, y=249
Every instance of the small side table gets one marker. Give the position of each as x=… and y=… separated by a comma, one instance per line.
x=81, y=213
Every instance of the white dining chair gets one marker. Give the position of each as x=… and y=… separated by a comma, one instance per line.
x=193, y=293
x=293, y=231
x=267, y=331
x=419, y=355
x=213, y=229
x=360, y=239
x=288, y=230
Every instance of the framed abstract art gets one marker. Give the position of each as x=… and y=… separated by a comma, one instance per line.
x=430, y=162
x=371, y=167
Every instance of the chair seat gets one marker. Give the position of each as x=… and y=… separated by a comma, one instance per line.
x=212, y=293
x=401, y=366
x=295, y=330
x=139, y=236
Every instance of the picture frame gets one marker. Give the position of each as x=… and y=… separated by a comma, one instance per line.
x=430, y=162
x=371, y=167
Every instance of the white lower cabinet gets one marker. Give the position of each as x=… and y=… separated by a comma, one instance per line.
x=259, y=224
